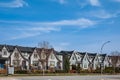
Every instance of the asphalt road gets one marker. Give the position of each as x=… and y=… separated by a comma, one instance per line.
x=95, y=77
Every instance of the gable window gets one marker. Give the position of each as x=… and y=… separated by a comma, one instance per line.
x=16, y=55
x=35, y=56
x=72, y=58
x=52, y=56
x=96, y=59
x=5, y=52
x=43, y=55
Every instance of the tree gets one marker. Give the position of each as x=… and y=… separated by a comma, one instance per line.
x=44, y=44
x=115, y=57
x=66, y=64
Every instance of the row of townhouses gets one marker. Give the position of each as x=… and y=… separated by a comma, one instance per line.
x=39, y=58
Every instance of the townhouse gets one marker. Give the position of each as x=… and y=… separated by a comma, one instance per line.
x=88, y=61
x=30, y=58
x=26, y=58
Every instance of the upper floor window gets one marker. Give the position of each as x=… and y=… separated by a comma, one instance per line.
x=52, y=56
x=35, y=56
x=35, y=63
x=72, y=58
x=43, y=55
x=16, y=55
x=4, y=52
x=85, y=59
x=96, y=59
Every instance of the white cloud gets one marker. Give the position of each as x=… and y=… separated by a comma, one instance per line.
x=27, y=29
x=24, y=35
x=42, y=29
x=60, y=1
x=82, y=22
x=103, y=14
x=13, y=4
x=95, y=2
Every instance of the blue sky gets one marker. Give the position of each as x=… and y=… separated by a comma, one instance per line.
x=82, y=25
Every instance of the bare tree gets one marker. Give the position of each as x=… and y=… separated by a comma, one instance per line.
x=44, y=44
x=115, y=57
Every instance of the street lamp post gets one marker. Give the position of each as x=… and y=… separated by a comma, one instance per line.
x=104, y=45
x=101, y=64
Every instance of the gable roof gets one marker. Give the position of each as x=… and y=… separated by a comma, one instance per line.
x=102, y=56
x=25, y=49
x=10, y=48
x=67, y=53
x=82, y=55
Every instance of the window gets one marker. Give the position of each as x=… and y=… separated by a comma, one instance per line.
x=85, y=65
x=72, y=58
x=16, y=55
x=5, y=52
x=96, y=59
x=52, y=63
x=42, y=55
x=52, y=56
x=35, y=63
x=16, y=62
x=35, y=55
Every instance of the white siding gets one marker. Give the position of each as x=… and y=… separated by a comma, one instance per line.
x=52, y=60
x=85, y=62
x=13, y=58
x=33, y=58
x=7, y=53
x=73, y=59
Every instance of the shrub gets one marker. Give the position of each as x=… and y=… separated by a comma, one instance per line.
x=108, y=70
x=59, y=71
x=72, y=71
x=84, y=71
x=21, y=72
x=117, y=69
x=98, y=70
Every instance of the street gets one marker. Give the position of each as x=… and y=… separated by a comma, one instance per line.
x=84, y=77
